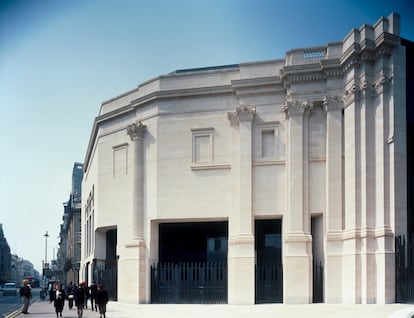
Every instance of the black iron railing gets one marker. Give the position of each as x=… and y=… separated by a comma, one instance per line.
x=269, y=282
x=189, y=282
x=317, y=282
x=107, y=275
x=404, y=269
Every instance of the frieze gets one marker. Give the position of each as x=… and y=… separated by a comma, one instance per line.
x=367, y=55
x=309, y=77
x=136, y=131
x=242, y=113
x=354, y=61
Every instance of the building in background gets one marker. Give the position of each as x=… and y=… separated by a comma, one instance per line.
x=21, y=269
x=5, y=258
x=68, y=258
x=272, y=181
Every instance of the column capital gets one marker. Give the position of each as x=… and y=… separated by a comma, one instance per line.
x=331, y=103
x=352, y=94
x=382, y=83
x=136, y=131
x=242, y=113
x=295, y=108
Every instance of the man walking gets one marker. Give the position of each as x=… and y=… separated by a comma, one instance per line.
x=93, y=289
x=26, y=295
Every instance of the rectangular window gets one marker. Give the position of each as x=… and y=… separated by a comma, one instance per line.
x=120, y=160
x=202, y=140
x=268, y=143
x=202, y=148
x=271, y=143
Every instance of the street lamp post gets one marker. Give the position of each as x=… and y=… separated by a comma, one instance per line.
x=45, y=266
x=46, y=236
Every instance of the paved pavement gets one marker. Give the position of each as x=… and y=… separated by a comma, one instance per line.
x=120, y=310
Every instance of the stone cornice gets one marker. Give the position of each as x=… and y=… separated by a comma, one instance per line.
x=325, y=68
x=97, y=122
x=198, y=91
x=256, y=86
x=369, y=52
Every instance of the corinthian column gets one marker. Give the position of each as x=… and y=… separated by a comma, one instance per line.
x=132, y=261
x=241, y=238
x=137, y=132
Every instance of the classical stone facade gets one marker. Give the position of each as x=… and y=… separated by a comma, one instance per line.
x=69, y=253
x=315, y=141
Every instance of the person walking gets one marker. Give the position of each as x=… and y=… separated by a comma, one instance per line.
x=57, y=295
x=80, y=297
x=70, y=291
x=26, y=295
x=93, y=289
x=101, y=299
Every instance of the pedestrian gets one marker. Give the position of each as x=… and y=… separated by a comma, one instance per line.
x=57, y=295
x=93, y=289
x=86, y=295
x=26, y=295
x=70, y=291
x=80, y=297
x=101, y=299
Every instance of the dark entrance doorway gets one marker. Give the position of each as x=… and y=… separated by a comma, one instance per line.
x=192, y=265
x=106, y=271
x=269, y=270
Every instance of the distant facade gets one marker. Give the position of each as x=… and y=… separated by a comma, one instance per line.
x=70, y=232
x=5, y=258
x=290, y=173
x=20, y=269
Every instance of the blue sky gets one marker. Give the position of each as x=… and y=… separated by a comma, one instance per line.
x=59, y=60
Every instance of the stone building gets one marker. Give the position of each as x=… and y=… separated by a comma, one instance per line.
x=69, y=252
x=5, y=258
x=299, y=163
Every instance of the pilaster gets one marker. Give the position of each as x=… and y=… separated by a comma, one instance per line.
x=351, y=275
x=334, y=202
x=367, y=176
x=383, y=231
x=297, y=260
x=241, y=258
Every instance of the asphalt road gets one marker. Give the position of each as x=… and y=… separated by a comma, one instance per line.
x=9, y=304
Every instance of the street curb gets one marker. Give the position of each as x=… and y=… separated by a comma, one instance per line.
x=403, y=313
x=17, y=312
x=13, y=314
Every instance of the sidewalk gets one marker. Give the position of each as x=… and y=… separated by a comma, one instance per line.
x=120, y=310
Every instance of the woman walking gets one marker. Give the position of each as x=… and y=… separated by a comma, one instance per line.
x=57, y=295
